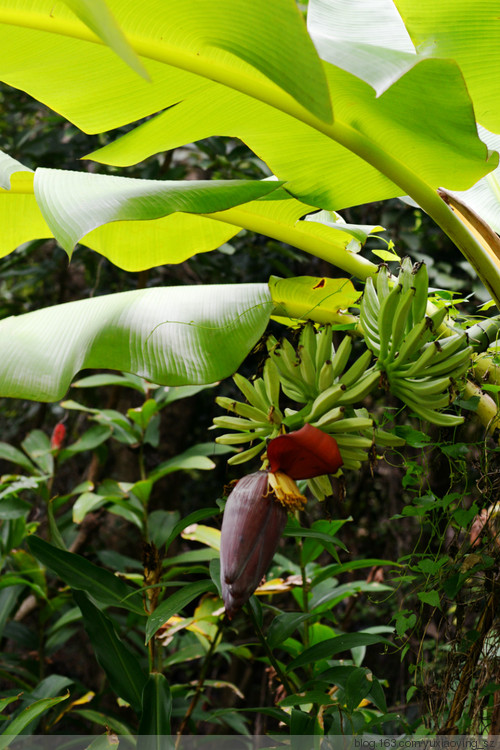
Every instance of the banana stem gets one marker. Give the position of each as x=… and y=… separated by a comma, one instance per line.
x=487, y=410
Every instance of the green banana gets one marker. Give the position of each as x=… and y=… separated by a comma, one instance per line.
x=244, y=410
x=382, y=437
x=456, y=365
x=435, y=417
x=308, y=339
x=345, y=440
x=327, y=421
x=400, y=321
x=424, y=388
x=341, y=356
x=350, y=424
x=235, y=438
x=418, y=368
x=450, y=345
x=325, y=401
x=270, y=382
x=306, y=367
x=387, y=311
x=240, y=458
x=325, y=376
x=421, y=285
x=383, y=288
x=324, y=347
x=436, y=401
x=237, y=423
x=362, y=388
x=356, y=370
x=250, y=393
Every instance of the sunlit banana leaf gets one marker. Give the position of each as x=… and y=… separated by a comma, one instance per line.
x=172, y=336
x=74, y=202
x=366, y=38
x=429, y=130
x=49, y=52
x=318, y=299
x=467, y=32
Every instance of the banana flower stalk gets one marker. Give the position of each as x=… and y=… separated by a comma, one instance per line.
x=256, y=510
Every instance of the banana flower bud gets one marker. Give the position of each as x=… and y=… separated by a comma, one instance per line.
x=256, y=510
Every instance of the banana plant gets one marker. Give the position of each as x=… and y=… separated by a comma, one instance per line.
x=364, y=120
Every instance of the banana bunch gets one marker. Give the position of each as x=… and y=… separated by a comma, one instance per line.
x=258, y=420
x=420, y=368
x=320, y=380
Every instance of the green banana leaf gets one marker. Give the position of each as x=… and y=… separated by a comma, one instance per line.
x=171, y=336
x=429, y=130
x=132, y=230
x=48, y=52
x=467, y=32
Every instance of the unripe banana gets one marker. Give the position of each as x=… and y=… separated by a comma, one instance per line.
x=327, y=421
x=370, y=301
x=450, y=345
x=434, y=401
x=236, y=438
x=271, y=382
x=320, y=486
x=237, y=423
x=353, y=464
x=324, y=347
x=350, y=424
x=401, y=321
x=383, y=289
x=325, y=401
x=421, y=285
x=405, y=278
x=240, y=458
x=361, y=389
x=345, y=440
x=418, y=368
x=435, y=417
x=382, y=437
x=424, y=388
x=306, y=367
x=251, y=395
x=308, y=339
x=244, y=410
x=341, y=356
x=412, y=342
x=387, y=311
x=353, y=454
x=325, y=376
x=353, y=374
x=456, y=365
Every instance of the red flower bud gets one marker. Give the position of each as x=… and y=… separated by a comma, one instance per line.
x=252, y=525
x=58, y=436
x=305, y=453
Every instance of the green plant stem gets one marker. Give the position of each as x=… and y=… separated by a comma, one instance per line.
x=279, y=672
x=199, y=685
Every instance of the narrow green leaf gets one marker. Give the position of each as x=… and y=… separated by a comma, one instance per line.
x=83, y=575
x=174, y=604
x=284, y=625
x=5, y=701
x=55, y=534
x=122, y=668
x=16, y=725
x=15, y=456
x=329, y=648
x=167, y=335
x=91, y=438
x=156, y=712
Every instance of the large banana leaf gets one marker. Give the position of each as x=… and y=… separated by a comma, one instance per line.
x=430, y=131
x=172, y=336
x=68, y=205
x=254, y=47
x=467, y=32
